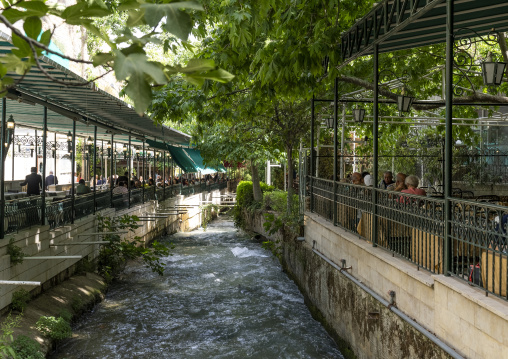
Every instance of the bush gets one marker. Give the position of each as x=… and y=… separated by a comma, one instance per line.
x=245, y=193
x=15, y=252
x=54, y=328
x=20, y=298
x=277, y=201
x=27, y=348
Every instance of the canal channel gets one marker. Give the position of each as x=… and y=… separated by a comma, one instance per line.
x=223, y=296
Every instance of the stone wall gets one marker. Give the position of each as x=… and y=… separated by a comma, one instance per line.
x=461, y=316
x=43, y=241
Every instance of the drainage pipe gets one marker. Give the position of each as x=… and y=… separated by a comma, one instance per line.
x=395, y=310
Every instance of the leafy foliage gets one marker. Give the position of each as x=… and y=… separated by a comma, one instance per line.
x=125, y=51
x=54, y=328
x=20, y=298
x=113, y=256
x=6, y=337
x=27, y=348
x=276, y=201
x=207, y=212
x=15, y=252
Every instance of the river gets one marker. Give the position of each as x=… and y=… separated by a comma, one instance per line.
x=223, y=296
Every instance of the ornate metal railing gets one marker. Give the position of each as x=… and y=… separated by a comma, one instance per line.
x=27, y=212
x=22, y=213
x=136, y=196
x=413, y=227
x=83, y=205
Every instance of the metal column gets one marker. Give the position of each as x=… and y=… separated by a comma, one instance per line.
x=73, y=162
x=3, y=130
x=44, y=140
x=312, y=155
x=112, y=181
x=164, y=176
x=448, y=135
x=375, y=134
x=335, y=123
x=36, y=148
x=94, y=168
x=54, y=161
x=143, y=170
x=130, y=171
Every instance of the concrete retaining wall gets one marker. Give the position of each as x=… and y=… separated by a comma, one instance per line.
x=461, y=316
x=43, y=241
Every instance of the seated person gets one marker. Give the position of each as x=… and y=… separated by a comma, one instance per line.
x=399, y=184
x=137, y=184
x=121, y=188
x=412, y=183
x=386, y=181
x=81, y=188
x=356, y=178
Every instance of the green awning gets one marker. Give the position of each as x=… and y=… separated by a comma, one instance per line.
x=195, y=155
x=182, y=159
x=157, y=145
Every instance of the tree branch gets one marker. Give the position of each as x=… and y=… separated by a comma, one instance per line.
x=35, y=43
x=229, y=93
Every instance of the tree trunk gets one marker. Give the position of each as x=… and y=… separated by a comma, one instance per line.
x=289, y=152
x=256, y=187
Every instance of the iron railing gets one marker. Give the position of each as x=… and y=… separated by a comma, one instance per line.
x=413, y=227
x=26, y=212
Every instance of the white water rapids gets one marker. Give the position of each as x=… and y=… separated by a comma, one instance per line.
x=223, y=296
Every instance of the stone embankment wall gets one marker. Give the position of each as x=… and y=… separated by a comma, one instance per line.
x=461, y=316
x=62, y=241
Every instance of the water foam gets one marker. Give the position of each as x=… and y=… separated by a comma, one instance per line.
x=244, y=252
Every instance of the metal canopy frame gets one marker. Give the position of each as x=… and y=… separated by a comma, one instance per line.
x=405, y=24
x=397, y=25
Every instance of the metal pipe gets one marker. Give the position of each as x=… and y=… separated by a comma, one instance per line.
x=18, y=282
x=52, y=257
x=394, y=309
x=79, y=243
x=143, y=170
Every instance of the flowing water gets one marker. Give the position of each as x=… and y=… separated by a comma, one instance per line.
x=223, y=296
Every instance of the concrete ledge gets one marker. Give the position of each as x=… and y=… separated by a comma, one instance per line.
x=381, y=253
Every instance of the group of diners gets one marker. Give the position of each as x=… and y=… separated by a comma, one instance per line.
x=403, y=183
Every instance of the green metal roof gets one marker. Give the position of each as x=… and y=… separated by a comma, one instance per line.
x=86, y=104
x=404, y=24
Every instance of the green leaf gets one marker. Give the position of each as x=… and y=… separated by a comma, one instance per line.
x=178, y=22
x=102, y=58
x=36, y=6
x=136, y=18
x=219, y=75
x=23, y=47
x=128, y=5
x=127, y=66
x=45, y=37
x=198, y=65
x=14, y=63
x=94, y=30
x=14, y=15
x=33, y=26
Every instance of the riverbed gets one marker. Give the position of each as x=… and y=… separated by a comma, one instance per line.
x=223, y=296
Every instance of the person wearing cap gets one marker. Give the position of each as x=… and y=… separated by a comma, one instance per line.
x=33, y=181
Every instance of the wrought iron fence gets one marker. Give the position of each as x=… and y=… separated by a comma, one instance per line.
x=83, y=205
x=413, y=227
x=136, y=196
x=22, y=213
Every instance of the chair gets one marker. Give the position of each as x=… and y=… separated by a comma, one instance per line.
x=488, y=198
x=457, y=192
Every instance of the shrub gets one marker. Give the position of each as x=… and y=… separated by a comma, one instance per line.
x=277, y=201
x=20, y=298
x=27, y=348
x=6, y=330
x=54, y=328
x=245, y=193
x=113, y=256
x=15, y=252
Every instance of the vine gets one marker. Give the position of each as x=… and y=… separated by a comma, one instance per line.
x=207, y=212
